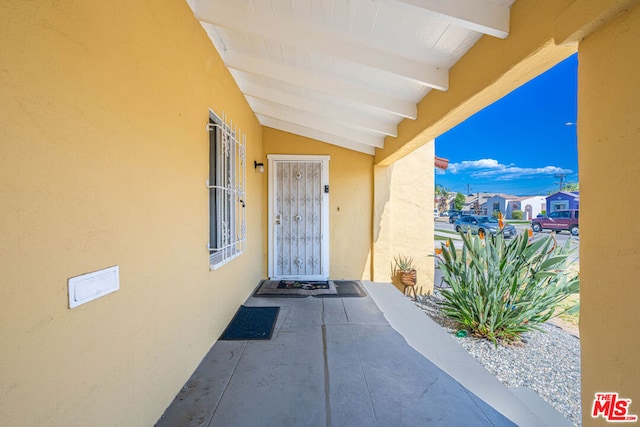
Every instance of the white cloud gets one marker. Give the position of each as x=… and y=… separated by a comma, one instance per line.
x=490, y=168
x=516, y=172
x=475, y=164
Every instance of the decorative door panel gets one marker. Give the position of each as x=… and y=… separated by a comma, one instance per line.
x=298, y=216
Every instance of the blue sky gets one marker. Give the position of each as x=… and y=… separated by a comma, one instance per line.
x=517, y=145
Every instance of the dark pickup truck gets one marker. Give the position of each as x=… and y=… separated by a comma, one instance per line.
x=557, y=221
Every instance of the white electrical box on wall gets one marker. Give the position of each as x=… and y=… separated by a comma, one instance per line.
x=90, y=286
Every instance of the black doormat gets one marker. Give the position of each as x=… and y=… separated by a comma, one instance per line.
x=346, y=288
x=294, y=288
x=302, y=284
x=251, y=323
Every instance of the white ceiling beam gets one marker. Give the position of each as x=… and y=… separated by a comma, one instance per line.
x=330, y=110
x=214, y=36
x=315, y=134
x=306, y=38
x=317, y=123
x=320, y=83
x=484, y=16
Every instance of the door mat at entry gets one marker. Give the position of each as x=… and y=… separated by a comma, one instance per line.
x=251, y=323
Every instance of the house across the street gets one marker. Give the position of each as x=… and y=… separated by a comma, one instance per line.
x=531, y=206
x=563, y=200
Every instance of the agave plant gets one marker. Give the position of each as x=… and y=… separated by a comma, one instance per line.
x=501, y=288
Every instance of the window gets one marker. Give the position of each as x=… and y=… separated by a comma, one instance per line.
x=227, y=193
x=559, y=205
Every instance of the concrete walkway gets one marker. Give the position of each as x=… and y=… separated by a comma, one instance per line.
x=371, y=361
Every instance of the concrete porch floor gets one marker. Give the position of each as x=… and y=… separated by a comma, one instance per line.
x=369, y=361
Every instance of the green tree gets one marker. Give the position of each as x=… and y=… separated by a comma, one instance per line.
x=568, y=187
x=571, y=186
x=458, y=202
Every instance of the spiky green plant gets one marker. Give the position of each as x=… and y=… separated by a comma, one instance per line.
x=501, y=288
x=402, y=263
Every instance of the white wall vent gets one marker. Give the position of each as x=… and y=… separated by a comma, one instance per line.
x=90, y=286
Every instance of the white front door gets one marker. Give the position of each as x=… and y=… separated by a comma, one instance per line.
x=298, y=217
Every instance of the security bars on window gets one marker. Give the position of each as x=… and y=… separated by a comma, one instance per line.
x=227, y=192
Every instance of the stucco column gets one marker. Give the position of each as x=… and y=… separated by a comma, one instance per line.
x=609, y=159
x=403, y=215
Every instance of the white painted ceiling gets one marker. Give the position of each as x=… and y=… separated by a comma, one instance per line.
x=344, y=72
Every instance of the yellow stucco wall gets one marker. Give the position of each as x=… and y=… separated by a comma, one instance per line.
x=609, y=159
x=403, y=216
x=350, y=200
x=103, y=161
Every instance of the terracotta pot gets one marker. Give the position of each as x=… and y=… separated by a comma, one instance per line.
x=409, y=278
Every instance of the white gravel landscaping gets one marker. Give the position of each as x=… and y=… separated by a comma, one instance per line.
x=547, y=362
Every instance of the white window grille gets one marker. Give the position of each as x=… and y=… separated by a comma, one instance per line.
x=227, y=191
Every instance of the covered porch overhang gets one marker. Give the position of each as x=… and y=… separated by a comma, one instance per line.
x=105, y=159
x=522, y=40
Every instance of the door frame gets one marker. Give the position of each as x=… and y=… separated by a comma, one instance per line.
x=272, y=158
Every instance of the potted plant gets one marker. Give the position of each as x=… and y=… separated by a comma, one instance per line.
x=404, y=268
